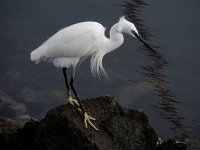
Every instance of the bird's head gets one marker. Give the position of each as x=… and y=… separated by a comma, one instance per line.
x=129, y=28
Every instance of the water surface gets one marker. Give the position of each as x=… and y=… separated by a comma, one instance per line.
x=165, y=86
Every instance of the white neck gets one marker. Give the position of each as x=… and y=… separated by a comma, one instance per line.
x=116, y=38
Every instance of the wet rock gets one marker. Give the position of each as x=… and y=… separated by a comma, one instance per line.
x=63, y=129
x=172, y=145
x=119, y=128
x=8, y=132
x=9, y=126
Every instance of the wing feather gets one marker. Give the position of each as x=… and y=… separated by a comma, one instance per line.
x=74, y=41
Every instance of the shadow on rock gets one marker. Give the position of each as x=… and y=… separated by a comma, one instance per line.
x=63, y=129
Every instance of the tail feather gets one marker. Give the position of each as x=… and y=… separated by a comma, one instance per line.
x=38, y=54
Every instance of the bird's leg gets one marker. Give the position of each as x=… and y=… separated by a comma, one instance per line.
x=70, y=100
x=81, y=109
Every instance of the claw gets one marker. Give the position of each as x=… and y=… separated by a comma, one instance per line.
x=87, y=121
x=87, y=118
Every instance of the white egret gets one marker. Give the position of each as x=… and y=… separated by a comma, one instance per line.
x=76, y=42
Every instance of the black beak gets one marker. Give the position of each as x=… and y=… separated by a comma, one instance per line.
x=142, y=40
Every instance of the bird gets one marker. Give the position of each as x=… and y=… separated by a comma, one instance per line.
x=68, y=47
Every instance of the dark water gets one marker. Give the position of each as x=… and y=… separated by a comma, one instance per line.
x=164, y=85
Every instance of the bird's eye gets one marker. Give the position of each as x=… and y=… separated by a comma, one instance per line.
x=134, y=33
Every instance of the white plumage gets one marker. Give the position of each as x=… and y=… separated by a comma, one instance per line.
x=87, y=39
x=67, y=46
x=78, y=41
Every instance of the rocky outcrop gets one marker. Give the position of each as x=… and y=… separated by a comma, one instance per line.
x=63, y=129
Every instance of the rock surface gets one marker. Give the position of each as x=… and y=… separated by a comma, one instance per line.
x=63, y=129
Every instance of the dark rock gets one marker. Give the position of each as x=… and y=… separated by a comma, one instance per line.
x=173, y=145
x=63, y=129
x=8, y=132
x=26, y=136
x=119, y=128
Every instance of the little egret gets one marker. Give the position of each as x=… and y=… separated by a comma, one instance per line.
x=74, y=43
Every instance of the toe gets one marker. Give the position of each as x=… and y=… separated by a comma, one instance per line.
x=72, y=101
x=87, y=121
x=91, y=118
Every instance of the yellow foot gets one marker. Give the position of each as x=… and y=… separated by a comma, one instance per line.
x=87, y=118
x=87, y=121
x=72, y=101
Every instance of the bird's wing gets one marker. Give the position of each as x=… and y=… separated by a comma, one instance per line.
x=74, y=41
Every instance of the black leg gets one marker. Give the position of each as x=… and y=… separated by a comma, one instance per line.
x=66, y=82
x=80, y=106
x=76, y=95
